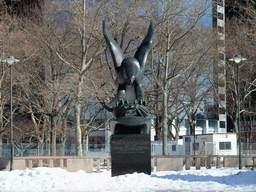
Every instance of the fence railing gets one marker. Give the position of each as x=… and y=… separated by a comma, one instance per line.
x=248, y=148
x=209, y=161
x=24, y=150
x=96, y=163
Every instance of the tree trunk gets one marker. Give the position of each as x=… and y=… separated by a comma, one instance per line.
x=53, y=136
x=164, y=128
x=165, y=99
x=177, y=134
x=78, y=133
x=48, y=144
x=63, y=136
x=86, y=142
x=1, y=145
x=158, y=127
x=41, y=148
x=62, y=149
x=165, y=95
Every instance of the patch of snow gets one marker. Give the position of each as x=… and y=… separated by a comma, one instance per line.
x=60, y=180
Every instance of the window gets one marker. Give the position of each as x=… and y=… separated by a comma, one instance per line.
x=222, y=110
x=221, y=29
x=173, y=147
x=225, y=145
x=222, y=124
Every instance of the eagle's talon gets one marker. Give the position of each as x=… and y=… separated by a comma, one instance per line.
x=122, y=102
x=140, y=102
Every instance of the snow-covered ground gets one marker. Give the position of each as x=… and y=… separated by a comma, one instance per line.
x=56, y=179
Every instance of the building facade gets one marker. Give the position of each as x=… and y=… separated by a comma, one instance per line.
x=218, y=16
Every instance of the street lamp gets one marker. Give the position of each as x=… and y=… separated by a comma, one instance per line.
x=10, y=60
x=238, y=59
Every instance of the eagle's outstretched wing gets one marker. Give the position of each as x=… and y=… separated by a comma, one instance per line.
x=116, y=52
x=144, y=48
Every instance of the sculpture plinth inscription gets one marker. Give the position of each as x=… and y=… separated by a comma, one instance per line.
x=130, y=153
x=137, y=143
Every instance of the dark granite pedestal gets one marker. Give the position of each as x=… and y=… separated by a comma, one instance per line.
x=130, y=146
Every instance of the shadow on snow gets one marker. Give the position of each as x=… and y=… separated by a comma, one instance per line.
x=241, y=178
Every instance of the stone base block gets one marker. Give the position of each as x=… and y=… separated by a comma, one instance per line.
x=169, y=164
x=74, y=165
x=5, y=163
x=19, y=164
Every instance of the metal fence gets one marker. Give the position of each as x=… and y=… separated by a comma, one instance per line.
x=248, y=148
x=34, y=149
x=25, y=150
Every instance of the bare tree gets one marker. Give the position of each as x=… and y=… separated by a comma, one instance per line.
x=175, y=25
x=241, y=40
x=11, y=43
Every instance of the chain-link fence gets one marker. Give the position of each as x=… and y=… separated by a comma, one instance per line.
x=173, y=149
x=35, y=149
x=248, y=148
x=24, y=149
x=209, y=148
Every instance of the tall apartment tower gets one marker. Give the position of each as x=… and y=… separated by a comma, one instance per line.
x=218, y=16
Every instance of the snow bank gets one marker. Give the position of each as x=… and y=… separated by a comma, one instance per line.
x=56, y=179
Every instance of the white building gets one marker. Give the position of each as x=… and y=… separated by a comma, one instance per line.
x=203, y=126
x=205, y=144
x=211, y=144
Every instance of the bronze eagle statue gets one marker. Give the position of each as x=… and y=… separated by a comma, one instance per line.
x=130, y=70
